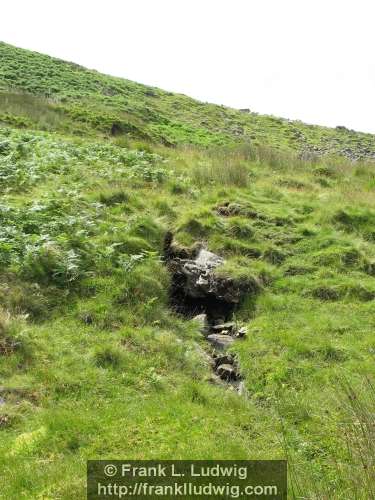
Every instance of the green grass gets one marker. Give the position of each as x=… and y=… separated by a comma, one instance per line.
x=37, y=91
x=93, y=362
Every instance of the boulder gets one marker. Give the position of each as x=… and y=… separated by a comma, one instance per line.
x=198, y=279
x=197, y=284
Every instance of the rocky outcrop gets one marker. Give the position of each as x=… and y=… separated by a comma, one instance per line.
x=195, y=281
x=197, y=287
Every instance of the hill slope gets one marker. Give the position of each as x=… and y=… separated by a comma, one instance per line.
x=94, y=361
x=72, y=98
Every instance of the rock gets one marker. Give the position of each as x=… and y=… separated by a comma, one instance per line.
x=2, y=401
x=225, y=332
x=198, y=279
x=229, y=326
x=223, y=359
x=227, y=372
x=202, y=321
x=4, y=420
x=208, y=259
x=220, y=341
x=242, y=332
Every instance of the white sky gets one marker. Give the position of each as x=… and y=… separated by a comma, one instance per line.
x=305, y=59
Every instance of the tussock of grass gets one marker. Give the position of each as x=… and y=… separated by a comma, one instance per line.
x=226, y=173
x=359, y=220
x=240, y=228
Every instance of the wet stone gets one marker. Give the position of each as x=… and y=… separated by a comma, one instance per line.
x=220, y=341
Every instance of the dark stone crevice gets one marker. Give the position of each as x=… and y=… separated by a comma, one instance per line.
x=215, y=309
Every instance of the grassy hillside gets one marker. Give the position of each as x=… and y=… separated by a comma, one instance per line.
x=37, y=91
x=94, y=363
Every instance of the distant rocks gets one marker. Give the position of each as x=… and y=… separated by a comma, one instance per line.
x=358, y=152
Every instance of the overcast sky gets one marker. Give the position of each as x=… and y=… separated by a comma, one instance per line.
x=311, y=60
